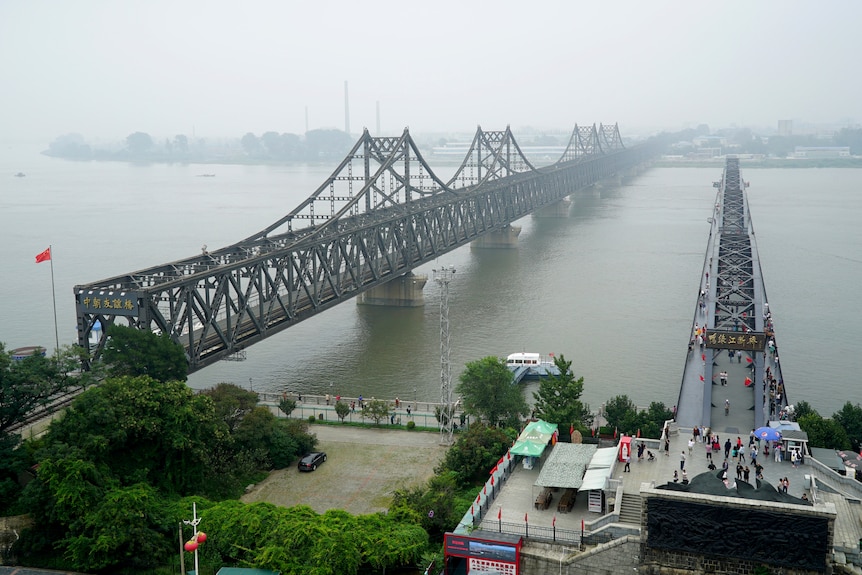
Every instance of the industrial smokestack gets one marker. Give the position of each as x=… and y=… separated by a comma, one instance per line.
x=346, y=109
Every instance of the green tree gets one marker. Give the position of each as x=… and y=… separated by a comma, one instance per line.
x=342, y=410
x=251, y=144
x=475, y=452
x=139, y=143
x=323, y=144
x=145, y=430
x=31, y=382
x=231, y=403
x=181, y=144
x=134, y=352
x=487, y=392
x=376, y=410
x=850, y=418
x=558, y=399
x=434, y=505
x=823, y=432
x=619, y=411
x=123, y=529
x=273, y=143
x=851, y=137
x=802, y=409
x=652, y=420
x=287, y=405
x=298, y=540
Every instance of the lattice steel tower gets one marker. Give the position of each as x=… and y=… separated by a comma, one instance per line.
x=443, y=276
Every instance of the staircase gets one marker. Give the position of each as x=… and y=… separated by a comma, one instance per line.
x=630, y=509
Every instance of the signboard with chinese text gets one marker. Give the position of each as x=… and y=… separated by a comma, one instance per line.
x=751, y=341
x=109, y=303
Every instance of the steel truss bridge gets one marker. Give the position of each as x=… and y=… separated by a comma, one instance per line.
x=381, y=213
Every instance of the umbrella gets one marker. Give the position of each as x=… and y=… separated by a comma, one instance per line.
x=767, y=433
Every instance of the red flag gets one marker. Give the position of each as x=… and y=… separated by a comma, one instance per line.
x=492, y=480
x=582, y=525
x=703, y=357
x=44, y=256
x=639, y=431
x=748, y=359
x=471, y=510
x=701, y=378
x=499, y=514
x=615, y=432
x=571, y=429
x=525, y=518
x=554, y=521
x=509, y=455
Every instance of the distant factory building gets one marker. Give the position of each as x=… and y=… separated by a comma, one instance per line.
x=821, y=152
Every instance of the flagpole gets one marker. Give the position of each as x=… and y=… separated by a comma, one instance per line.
x=54, y=297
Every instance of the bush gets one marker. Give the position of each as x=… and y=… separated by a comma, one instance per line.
x=311, y=419
x=411, y=425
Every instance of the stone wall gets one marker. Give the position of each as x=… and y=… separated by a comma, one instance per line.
x=688, y=533
x=613, y=558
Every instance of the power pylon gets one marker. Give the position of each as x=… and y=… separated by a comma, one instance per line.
x=443, y=276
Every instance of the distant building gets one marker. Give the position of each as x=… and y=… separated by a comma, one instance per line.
x=785, y=127
x=821, y=152
x=710, y=141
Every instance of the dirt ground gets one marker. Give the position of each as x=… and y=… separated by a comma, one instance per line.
x=363, y=468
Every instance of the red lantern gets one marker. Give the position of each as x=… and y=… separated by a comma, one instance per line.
x=191, y=545
x=201, y=536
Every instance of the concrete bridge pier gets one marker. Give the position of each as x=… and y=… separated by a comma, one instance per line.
x=404, y=291
x=559, y=209
x=506, y=238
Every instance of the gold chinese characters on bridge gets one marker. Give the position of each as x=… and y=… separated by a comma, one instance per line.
x=752, y=341
x=110, y=303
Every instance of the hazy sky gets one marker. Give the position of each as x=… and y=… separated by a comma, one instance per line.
x=223, y=68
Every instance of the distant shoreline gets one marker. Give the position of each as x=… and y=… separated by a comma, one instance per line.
x=788, y=163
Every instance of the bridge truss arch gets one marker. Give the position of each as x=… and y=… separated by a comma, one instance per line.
x=381, y=213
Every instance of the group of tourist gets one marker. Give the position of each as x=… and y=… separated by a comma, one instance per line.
x=733, y=451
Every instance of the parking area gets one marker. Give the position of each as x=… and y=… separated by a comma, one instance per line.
x=363, y=468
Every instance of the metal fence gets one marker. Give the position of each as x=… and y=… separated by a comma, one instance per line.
x=535, y=532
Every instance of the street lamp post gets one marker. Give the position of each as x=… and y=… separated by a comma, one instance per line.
x=198, y=537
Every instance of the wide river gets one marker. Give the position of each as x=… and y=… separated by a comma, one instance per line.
x=613, y=287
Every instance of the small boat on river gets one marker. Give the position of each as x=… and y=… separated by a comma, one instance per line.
x=531, y=365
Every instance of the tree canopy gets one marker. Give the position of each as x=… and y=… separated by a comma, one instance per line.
x=475, y=452
x=134, y=352
x=296, y=540
x=850, y=418
x=558, y=399
x=622, y=414
x=487, y=392
x=31, y=382
x=375, y=409
x=109, y=469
